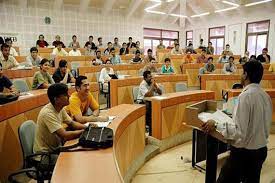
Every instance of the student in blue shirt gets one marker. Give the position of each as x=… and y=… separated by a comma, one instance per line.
x=167, y=68
x=115, y=59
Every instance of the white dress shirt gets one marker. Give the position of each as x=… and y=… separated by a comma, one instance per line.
x=13, y=52
x=74, y=53
x=143, y=89
x=252, y=118
x=104, y=75
x=227, y=69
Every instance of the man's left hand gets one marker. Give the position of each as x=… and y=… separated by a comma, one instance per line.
x=209, y=126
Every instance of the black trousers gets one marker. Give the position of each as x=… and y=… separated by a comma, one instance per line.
x=243, y=166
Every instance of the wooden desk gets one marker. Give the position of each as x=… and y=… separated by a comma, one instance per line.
x=219, y=82
x=12, y=115
x=168, y=111
x=20, y=59
x=107, y=165
x=121, y=89
x=23, y=73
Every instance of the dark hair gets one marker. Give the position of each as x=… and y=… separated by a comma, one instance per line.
x=149, y=50
x=177, y=44
x=91, y=37
x=41, y=35
x=1, y=65
x=203, y=50
x=43, y=61
x=176, y=40
x=137, y=51
x=97, y=51
x=201, y=39
x=265, y=49
x=253, y=57
x=231, y=57
x=99, y=38
x=115, y=38
x=4, y=46
x=123, y=43
x=33, y=49
x=130, y=38
x=112, y=49
x=62, y=63
x=79, y=80
x=55, y=90
x=145, y=74
x=108, y=60
x=254, y=71
x=210, y=58
x=210, y=42
x=59, y=43
x=109, y=42
x=74, y=36
x=227, y=45
x=8, y=39
x=167, y=59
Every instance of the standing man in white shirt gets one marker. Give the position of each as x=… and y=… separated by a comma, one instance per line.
x=249, y=131
x=74, y=51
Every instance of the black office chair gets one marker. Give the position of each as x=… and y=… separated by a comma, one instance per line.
x=31, y=166
x=234, y=86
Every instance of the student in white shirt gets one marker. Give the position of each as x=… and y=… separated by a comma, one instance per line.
x=104, y=77
x=59, y=51
x=176, y=50
x=248, y=132
x=33, y=59
x=74, y=51
x=98, y=60
x=230, y=67
x=13, y=52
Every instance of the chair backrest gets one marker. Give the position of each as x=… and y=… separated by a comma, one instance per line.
x=135, y=92
x=21, y=85
x=181, y=87
x=74, y=68
x=26, y=133
x=237, y=86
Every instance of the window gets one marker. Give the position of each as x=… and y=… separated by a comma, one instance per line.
x=216, y=36
x=189, y=37
x=152, y=37
x=257, y=36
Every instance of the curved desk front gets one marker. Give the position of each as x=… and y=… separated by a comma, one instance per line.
x=12, y=115
x=111, y=164
x=219, y=82
x=121, y=89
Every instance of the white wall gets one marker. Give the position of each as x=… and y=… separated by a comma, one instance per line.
x=235, y=26
x=67, y=21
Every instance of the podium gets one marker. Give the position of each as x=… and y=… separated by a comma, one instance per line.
x=205, y=147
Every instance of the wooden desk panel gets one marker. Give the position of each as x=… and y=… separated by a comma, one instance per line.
x=121, y=89
x=219, y=82
x=168, y=111
x=107, y=165
x=12, y=115
x=23, y=73
x=20, y=59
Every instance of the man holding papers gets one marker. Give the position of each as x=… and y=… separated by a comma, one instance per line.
x=248, y=132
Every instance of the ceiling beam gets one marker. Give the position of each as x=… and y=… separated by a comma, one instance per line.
x=58, y=4
x=169, y=9
x=133, y=7
x=84, y=4
x=108, y=5
x=183, y=4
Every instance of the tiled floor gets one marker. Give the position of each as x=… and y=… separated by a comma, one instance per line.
x=168, y=167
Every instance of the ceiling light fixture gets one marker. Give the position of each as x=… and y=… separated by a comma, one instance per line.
x=199, y=15
x=177, y=15
x=151, y=7
x=256, y=3
x=230, y=3
x=155, y=12
x=168, y=1
x=226, y=9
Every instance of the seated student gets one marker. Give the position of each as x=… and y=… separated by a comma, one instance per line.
x=224, y=58
x=107, y=51
x=188, y=59
x=6, y=83
x=91, y=43
x=245, y=58
x=74, y=38
x=253, y=58
x=149, y=56
x=74, y=51
x=208, y=68
x=210, y=49
x=167, y=68
x=190, y=48
x=104, y=76
x=130, y=44
x=123, y=50
x=115, y=59
x=161, y=45
x=82, y=100
x=59, y=51
x=151, y=66
x=100, y=44
x=139, y=48
x=228, y=50
x=42, y=79
x=202, y=57
x=88, y=50
x=116, y=44
x=13, y=52
x=58, y=41
x=176, y=50
x=137, y=59
x=264, y=57
x=1, y=41
x=50, y=134
x=7, y=61
x=201, y=46
x=148, y=87
x=230, y=67
x=98, y=60
x=41, y=43
x=33, y=59
x=63, y=74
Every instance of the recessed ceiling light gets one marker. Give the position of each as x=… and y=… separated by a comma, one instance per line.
x=260, y=2
x=153, y=6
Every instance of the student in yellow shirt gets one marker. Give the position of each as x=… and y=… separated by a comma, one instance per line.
x=272, y=68
x=81, y=101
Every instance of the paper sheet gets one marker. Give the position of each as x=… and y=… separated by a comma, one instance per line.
x=103, y=124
